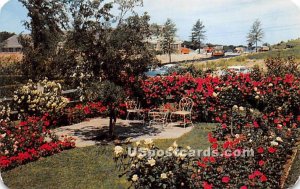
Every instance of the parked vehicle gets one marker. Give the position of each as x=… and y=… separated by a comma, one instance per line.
x=239, y=69
x=159, y=70
x=218, y=52
x=264, y=48
x=185, y=50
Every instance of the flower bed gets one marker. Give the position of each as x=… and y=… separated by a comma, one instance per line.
x=260, y=114
x=28, y=141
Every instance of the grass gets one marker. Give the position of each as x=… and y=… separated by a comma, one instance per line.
x=245, y=60
x=90, y=167
x=221, y=63
x=283, y=53
x=255, y=58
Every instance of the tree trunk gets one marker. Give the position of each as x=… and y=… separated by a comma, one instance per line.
x=256, y=45
x=112, y=121
x=199, y=46
x=169, y=56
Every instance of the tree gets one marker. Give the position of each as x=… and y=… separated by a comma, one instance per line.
x=255, y=34
x=125, y=7
x=198, y=34
x=46, y=25
x=168, y=35
x=80, y=33
x=250, y=45
x=110, y=54
x=155, y=30
x=5, y=35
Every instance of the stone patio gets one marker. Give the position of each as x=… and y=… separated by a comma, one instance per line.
x=89, y=132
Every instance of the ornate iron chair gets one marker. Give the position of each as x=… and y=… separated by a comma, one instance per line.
x=158, y=116
x=185, y=110
x=133, y=108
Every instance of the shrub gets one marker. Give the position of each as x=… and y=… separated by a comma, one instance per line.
x=5, y=111
x=144, y=170
x=39, y=98
x=27, y=141
x=259, y=113
x=278, y=66
x=252, y=159
x=256, y=73
x=80, y=112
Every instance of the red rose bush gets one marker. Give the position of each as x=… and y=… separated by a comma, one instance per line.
x=258, y=113
x=27, y=141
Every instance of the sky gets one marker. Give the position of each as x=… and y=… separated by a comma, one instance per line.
x=226, y=21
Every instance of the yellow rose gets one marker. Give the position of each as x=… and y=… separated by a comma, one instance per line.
x=118, y=150
x=151, y=162
x=163, y=176
x=135, y=178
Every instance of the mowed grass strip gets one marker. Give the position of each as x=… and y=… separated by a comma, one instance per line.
x=90, y=167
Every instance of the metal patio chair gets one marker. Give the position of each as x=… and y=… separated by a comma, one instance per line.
x=133, y=108
x=158, y=117
x=185, y=110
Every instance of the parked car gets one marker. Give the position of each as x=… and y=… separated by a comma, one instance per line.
x=185, y=50
x=218, y=52
x=159, y=70
x=239, y=69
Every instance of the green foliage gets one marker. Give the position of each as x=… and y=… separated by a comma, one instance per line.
x=126, y=6
x=190, y=69
x=256, y=73
x=278, y=66
x=169, y=33
x=198, y=34
x=47, y=22
x=294, y=43
x=106, y=52
x=111, y=95
x=156, y=30
x=256, y=33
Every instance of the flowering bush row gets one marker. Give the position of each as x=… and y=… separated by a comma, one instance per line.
x=212, y=95
x=27, y=141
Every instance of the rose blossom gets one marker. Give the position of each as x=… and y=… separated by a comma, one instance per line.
x=135, y=178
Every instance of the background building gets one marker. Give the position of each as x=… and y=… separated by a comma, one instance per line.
x=11, y=45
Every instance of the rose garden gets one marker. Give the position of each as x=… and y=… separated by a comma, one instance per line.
x=103, y=68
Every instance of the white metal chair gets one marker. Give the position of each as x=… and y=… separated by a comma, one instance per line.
x=185, y=110
x=133, y=108
x=158, y=116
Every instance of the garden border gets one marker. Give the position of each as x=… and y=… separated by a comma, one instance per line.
x=288, y=166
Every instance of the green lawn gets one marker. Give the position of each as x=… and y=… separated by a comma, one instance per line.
x=90, y=167
x=285, y=53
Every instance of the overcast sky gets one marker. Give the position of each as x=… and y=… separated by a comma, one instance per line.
x=226, y=21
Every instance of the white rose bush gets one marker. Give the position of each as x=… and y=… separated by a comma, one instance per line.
x=39, y=98
x=146, y=167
